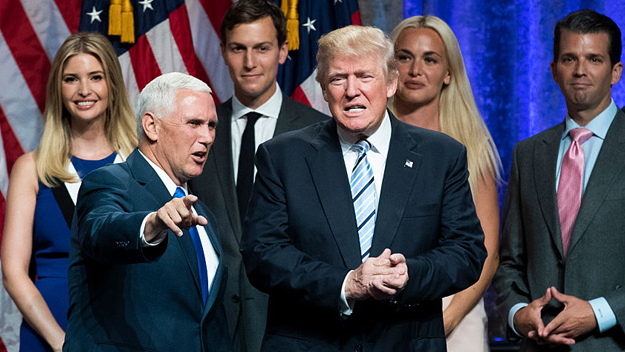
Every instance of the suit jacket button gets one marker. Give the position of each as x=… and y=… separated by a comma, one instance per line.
x=358, y=348
x=236, y=299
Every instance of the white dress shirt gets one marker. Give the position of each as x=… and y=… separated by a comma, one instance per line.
x=212, y=260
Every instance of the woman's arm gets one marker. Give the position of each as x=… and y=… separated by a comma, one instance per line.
x=17, y=243
x=487, y=208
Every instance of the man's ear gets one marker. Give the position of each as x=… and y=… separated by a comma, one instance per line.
x=554, y=71
x=284, y=52
x=150, y=126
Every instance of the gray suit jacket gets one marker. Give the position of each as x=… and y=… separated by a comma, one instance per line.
x=246, y=307
x=531, y=245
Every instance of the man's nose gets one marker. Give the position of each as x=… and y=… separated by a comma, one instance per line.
x=352, y=88
x=250, y=59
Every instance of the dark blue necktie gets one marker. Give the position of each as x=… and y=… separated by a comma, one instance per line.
x=199, y=252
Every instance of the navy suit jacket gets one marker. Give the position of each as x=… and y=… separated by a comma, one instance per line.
x=246, y=307
x=300, y=240
x=125, y=297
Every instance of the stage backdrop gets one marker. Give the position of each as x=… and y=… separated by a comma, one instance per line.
x=508, y=47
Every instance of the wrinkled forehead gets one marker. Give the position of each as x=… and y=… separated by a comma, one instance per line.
x=369, y=62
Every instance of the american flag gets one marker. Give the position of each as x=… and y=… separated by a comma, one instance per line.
x=170, y=35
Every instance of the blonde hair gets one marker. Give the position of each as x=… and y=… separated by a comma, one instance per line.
x=55, y=149
x=458, y=113
x=357, y=41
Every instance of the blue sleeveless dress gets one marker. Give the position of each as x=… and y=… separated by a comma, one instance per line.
x=51, y=242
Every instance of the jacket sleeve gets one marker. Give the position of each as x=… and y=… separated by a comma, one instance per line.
x=108, y=220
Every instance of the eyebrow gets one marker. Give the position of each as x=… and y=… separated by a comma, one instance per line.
x=89, y=73
x=406, y=51
x=253, y=45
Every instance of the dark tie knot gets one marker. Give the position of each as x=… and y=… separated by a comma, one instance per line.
x=252, y=117
x=179, y=193
x=362, y=146
x=580, y=135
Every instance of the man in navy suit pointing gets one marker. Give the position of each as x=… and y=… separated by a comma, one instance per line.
x=145, y=265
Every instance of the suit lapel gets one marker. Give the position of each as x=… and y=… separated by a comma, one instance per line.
x=147, y=177
x=608, y=166
x=545, y=159
x=201, y=209
x=393, y=198
x=286, y=117
x=330, y=178
x=221, y=151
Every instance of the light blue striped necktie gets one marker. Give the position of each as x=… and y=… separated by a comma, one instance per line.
x=363, y=196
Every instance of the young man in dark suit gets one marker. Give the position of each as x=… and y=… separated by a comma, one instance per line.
x=562, y=271
x=253, y=45
x=358, y=226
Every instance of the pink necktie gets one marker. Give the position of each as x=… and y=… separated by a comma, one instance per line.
x=570, y=186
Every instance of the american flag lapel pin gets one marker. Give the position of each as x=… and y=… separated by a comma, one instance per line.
x=408, y=163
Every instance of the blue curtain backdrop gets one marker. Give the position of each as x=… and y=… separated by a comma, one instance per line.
x=508, y=47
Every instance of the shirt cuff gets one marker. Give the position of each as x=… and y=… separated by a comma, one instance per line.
x=145, y=243
x=346, y=307
x=603, y=313
x=515, y=308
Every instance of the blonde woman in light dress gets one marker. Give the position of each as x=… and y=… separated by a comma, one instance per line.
x=434, y=92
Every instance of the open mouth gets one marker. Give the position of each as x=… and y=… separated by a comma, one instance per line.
x=355, y=109
x=199, y=156
x=85, y=104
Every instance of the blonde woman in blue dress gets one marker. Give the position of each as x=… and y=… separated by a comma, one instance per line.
x=88, y=123
x=434, y=92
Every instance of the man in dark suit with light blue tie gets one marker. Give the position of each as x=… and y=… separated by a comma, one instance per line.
x=146, y=272
x=253, y=45
x=358, y=226
x=562, y=273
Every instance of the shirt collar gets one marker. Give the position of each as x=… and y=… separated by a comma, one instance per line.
x=598, y=126
x=379, y=140
x=167, y=181
x=270, y=109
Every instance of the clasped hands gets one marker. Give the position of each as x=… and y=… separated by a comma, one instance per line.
x=380, y=278
x=576, y=319
x=175, y=215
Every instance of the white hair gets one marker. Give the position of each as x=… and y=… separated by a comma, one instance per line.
x=159, y=96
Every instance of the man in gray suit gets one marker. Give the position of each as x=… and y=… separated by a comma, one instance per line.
x=562, y=270
x=253, y=45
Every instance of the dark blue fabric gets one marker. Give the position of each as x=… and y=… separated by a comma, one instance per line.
x=51, y=239
x=199, y=252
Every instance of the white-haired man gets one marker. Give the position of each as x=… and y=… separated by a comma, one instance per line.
x=145, y=264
